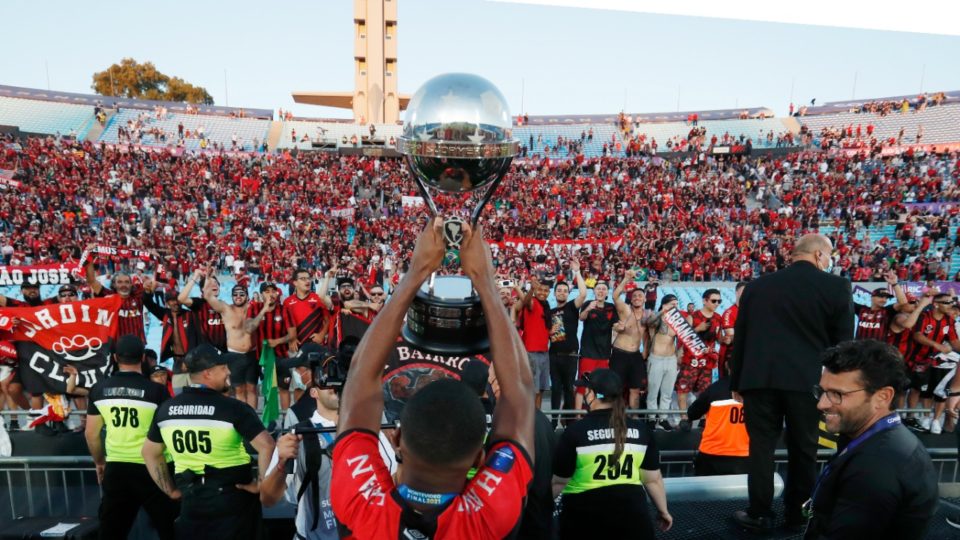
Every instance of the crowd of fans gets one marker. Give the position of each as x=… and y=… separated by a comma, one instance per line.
x=700, y=219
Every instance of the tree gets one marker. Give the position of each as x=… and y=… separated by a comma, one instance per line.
x=143, y=81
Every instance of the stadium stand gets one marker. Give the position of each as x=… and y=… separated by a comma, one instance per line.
x=46, y=117
x=940, y=124
x=302, y=133
x=249, y=132
x=544, y=136
x=751, y=129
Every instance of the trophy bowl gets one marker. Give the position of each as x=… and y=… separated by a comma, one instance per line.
x=458, y=134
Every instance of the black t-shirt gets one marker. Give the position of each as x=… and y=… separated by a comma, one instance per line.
x=597, y=339
x=536, y=522
x=564, y=340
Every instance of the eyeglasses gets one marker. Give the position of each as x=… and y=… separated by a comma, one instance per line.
x=714, y=301
x=236, y=294
x=376, y=294
x=833, y=396
x=67, y=294
x=945, y=303
x=303, y=278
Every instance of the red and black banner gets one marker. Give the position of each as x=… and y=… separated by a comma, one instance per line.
x=40, y=274
x=49, y=337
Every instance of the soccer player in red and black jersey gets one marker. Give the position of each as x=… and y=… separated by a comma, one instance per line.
x=308, y=310
x=442, y=426
x=206, y=321
x=273, y=324
x=728, y=322
x=873, y=321
x=130, y=315
x=935, y=333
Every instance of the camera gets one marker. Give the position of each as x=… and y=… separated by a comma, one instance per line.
x=505, y=283
x=330, y=371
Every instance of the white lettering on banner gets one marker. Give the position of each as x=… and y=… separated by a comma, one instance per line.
x=34, y=276
x=53, y=370
x=407, y=353
x=486, y=477
x=66, y=314
x=685, y=333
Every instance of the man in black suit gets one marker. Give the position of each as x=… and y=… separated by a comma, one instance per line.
x=787, y=319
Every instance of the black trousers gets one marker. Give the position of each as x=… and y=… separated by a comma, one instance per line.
x=214, y=508
x=127, y=487
x=711, y=465
x=765, y=412
x=563, y=371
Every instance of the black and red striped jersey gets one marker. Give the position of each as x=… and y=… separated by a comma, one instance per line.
x=208, y=324
x=274, y=325
x=308, y=313
x=130, y=315
x=901, y=340
x=873, y=323
x=937, y=330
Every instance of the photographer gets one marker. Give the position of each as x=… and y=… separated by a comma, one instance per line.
x=442, y=426
x=304, y=450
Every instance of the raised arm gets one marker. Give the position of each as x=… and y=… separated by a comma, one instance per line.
x=513, y=417
x=184, y=296
x=210, y=296
x=581, y=284
x=891, y=278
x=622, y=308
x=325, y=287
x=362, y=403
x=91, y=274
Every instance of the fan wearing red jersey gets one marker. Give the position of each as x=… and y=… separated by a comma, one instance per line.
x=208, y=322
x=274, y=325
x=130, y=315
x=873, y=321
x=696, y=374
x=900, y=332
x=442, y=426
x=308, y=310
x=727, y=322
x=935, y=333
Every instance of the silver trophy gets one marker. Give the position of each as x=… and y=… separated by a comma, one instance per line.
x=458, y=141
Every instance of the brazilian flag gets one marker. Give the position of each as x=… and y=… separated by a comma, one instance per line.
x=271, y=395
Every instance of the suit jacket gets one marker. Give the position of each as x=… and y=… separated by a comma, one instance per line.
x=884, y=488
x=786, y=320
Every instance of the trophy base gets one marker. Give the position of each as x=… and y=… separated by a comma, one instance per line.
x=446, y=318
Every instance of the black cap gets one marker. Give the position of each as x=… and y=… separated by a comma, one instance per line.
x=605, y=383
x=129, y=347
x=203, y=357
x=28, y=285
x=170, y=294
x=268, y=285
x=882, y=291
x=156, y=369
x=346, y=280
x=240, y=288
x=67, y=288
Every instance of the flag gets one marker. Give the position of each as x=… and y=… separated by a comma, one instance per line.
x=50, y=337
x=54, y=411
x=271, y=395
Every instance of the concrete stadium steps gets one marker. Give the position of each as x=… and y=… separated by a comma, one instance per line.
x=215, y=128
x=602, y=133
x=749, y=128
x=46, y=117
x=332, y=133
x=940, y=124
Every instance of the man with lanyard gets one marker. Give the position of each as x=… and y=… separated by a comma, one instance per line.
x=308, y=310
x=442, y=425
x=873, y=321
x=205, y=430
x=596, y=342
x=563, y=339
x=881, y=483
x=124, y=404
x=309, y=485
x=626, y=359
x=935, y=333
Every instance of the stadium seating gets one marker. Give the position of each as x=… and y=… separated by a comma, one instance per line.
x=602, y=133
x=331, y=133
x=216, y=128
x=750, y=128
x=876, y=232
x=47, y=117
x=940, y=124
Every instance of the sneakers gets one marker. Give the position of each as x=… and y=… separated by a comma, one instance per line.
x=935, y=427
x=925, y=423
x=664, y=425
x=913, y=424
x=954, y=521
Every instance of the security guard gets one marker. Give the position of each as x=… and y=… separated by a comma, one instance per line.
x=724, y=444
x=205, y=430
x=602, y=465
x=124, y=404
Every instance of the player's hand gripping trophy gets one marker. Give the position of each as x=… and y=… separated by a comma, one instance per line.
x=458, y=142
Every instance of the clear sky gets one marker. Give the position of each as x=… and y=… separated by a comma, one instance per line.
x=552, y=60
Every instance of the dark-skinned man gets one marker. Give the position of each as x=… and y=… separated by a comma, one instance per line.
x=442, y=426
x=205, y=430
